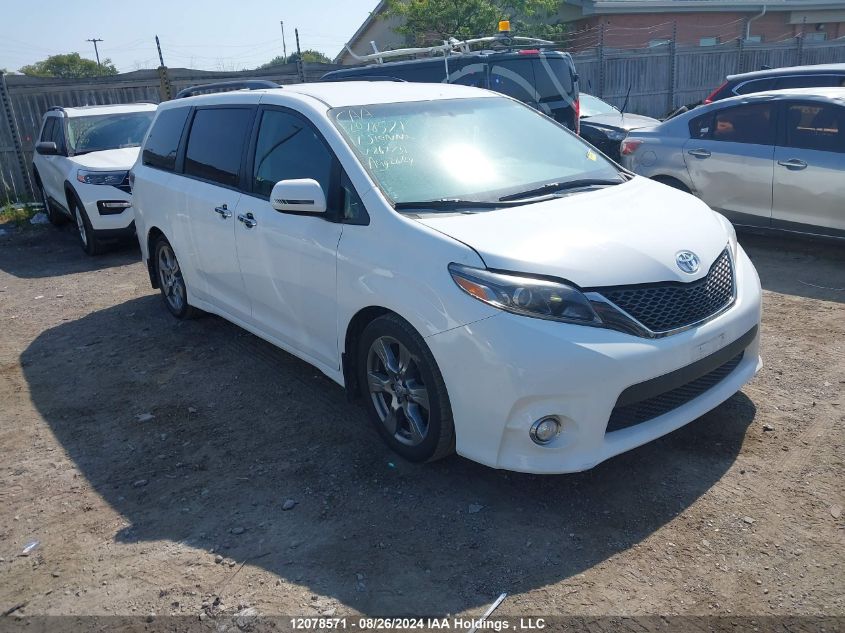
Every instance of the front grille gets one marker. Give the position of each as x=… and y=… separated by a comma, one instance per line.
x=625, y=416
x=670, y=305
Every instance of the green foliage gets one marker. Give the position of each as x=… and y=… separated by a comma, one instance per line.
x=16, y=215
x=428, y=22
x=69, y=65
x=308, y=56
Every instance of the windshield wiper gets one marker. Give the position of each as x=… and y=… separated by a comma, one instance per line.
x=457, y=204
x=560, y=186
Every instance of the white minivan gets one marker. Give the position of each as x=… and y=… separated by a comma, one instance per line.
x=486, y=281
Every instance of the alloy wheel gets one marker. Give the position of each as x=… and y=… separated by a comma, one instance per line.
x=397, y=390
x=80, y=225
x=170, y=278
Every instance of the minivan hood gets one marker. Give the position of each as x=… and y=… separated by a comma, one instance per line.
x=619, y=235
x=122, y=158
x=620, y=121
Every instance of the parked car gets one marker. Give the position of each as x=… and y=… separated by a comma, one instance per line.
x=545, y=80
x=773, y=160
x=605, y=126
x=81, y=168
x=482, y=277
x=815, y=76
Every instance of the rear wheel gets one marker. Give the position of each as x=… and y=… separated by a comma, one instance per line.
x=405, y=392
x=170, y=281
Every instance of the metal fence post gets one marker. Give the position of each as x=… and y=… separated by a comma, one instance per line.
x=165, y=89
x=673, y=66
x=601, y=61
x=11, y=122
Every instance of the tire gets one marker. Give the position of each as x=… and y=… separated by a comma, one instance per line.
x=174, y=291
x=404, y=390
x=672, y=182
x=87, y=235
x=56, y=217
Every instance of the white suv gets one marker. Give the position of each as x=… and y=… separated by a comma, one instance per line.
x=81, y=165
x=484, y=279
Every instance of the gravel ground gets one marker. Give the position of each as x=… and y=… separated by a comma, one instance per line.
x=153, y=462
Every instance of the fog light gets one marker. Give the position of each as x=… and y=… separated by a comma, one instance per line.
x=545, y=430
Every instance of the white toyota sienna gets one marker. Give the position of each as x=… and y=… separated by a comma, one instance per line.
x=484, y=280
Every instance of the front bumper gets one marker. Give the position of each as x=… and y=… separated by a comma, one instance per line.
x=110, y=223
x=507, y=371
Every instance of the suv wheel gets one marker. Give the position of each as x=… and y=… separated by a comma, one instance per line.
x=405, y=392
x=87, y=237
x=56, y=217
x=170, y=281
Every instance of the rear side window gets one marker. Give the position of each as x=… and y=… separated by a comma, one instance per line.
x=552, y=78
x=163, y=140
x=755, y=85
x=815, y=126
x=420, y=73
x=470, y=75
x=700, y=126
x=752, y=123
x=216, y=142
x=288, y=148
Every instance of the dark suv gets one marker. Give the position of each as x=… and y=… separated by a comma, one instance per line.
x=817, y=76
x=545, y=80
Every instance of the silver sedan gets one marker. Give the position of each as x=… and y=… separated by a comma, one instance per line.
x=771, y=160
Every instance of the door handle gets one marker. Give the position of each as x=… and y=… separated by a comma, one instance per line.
x=793, y=163
x=699, y=153
x=248, y=220
x=224, y=212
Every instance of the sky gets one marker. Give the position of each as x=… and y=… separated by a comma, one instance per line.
x=209, y=35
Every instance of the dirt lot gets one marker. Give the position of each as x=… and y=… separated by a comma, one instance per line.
x=738, y=513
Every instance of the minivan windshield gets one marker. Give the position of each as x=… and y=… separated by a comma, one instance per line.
x=482, y=149
x=107, y=131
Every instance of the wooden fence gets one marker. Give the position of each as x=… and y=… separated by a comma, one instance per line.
x=655, y=81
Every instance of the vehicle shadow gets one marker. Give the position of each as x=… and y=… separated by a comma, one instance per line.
x=55, y=251
x=800, y=266
x=239, y=427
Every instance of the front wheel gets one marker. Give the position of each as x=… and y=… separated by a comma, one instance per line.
x=170, y=281
x=87, y=238
x=56, y=217
x=405, y=392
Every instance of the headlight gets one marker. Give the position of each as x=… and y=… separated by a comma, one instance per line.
x=525, y=295
x=113, y=178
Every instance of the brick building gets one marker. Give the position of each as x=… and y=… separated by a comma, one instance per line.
x=645, y=23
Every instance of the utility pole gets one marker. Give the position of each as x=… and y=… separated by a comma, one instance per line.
x=300, y=65
x=158, y=46
x=284, y=47
x=96, y=51
x=164, y=87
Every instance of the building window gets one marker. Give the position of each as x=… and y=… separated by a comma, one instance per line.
x=816, y=36
x=656, y=43
x=754, y=39
x=708, y=41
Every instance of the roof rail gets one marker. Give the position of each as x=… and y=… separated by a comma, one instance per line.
x=449, y=47
x=226, y=86
x=364, y=78
x=58, y=108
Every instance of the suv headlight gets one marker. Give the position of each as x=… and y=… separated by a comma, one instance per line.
x=113, y=178
x=528, y=296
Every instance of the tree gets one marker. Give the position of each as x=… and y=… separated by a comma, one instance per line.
x=428, y=22
x=70, y=65
x=308, y=56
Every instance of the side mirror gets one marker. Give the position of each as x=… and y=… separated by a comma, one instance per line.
x=304, y=195
x=46, y=148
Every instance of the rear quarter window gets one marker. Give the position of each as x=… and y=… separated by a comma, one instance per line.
x=163, y=141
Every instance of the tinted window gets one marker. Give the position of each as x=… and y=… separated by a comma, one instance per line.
x=810, y=81
x=815, y=126
x=552, y=78
x=163, y=140
x=745, y=124
x=216, y=142
x=288, y=148
x=514, y=78
x=701, y=126
x=420, y=73
x=756, y=85
x=470, y=75
x=47, y=132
